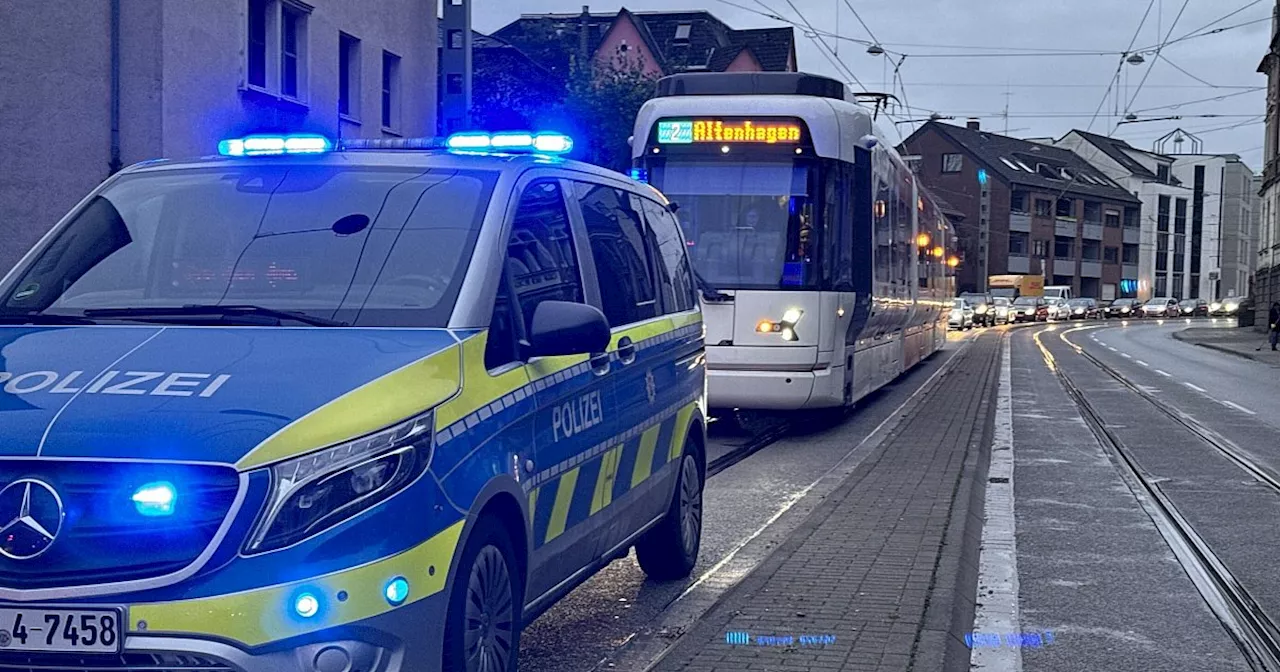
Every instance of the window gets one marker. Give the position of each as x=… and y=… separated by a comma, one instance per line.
x=1040, y=248
x=348, y=75
x=1162, y=251
x=1092, y=212
x=1044, y=208
x=292, y=43
x=1066, y=208
x=682, y=32
x=1162, y=214
x=541, y=266
x=1162, y=284
x=257, y=51
x=1064, y=247
x=1019, y=243
x=1112, y=219
x=1129, y=253
x=952, y=163
x=455, y=39
x=1018, y=201
x=675, y=273
x=618, y=247
x=1180, y=216
x=1177, y=286
x=1162, y=173
x=1111, y=255
x=390, y=91
x=1131, y=220
x=1179, y=253
x=1091, y=250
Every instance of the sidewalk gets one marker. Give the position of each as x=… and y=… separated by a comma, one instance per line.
x=1239, y=341
x=883, y=574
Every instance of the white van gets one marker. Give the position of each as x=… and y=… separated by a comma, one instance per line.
x=1058, y=292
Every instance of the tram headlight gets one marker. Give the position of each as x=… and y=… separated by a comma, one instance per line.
x=786, y=327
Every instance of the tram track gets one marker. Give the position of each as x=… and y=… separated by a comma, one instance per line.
x=1255, y=633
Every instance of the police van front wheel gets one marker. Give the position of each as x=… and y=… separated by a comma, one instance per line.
x=670, y=550
x=482, y=628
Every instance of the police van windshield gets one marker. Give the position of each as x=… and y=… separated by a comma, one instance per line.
x=749, y=223
x=361, y=246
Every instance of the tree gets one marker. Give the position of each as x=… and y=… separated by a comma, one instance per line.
x=602, y=102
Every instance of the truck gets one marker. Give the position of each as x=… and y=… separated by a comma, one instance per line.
x=1014, y=286
x=1059, y=292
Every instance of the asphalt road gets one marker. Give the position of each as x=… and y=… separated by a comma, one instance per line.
x=1092, y=567
x=619, y=619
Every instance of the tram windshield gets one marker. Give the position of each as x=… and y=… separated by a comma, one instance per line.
x=749, y=224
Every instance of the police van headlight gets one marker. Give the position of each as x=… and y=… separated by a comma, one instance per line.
x=317, y=491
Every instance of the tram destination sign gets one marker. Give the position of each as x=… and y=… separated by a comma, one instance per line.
x=723, y=131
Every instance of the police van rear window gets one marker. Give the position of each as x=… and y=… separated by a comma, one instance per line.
x=363, y=246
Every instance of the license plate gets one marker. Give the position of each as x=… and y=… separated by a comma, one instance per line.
x=60, y=630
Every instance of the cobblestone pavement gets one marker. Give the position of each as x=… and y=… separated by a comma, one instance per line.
x=882, y=575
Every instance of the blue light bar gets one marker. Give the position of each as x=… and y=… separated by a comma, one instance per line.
x=155, y=499
x=541, y=143
x=275, y=145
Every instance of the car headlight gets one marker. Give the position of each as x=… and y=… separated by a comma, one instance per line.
x=982, y=310
x=1215, y=306
x=1231, y=307
x=312, y=493
x=1124, y=310
x=1079, y=310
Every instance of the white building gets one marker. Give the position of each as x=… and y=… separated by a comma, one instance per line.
x=1165, y=202
x=1221, y=249
x=87, y=86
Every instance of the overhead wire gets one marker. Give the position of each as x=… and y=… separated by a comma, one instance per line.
x=1147, y=72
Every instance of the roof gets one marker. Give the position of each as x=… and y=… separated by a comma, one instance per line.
x=710, y=44
x=1028, y=163
x=1116, y=150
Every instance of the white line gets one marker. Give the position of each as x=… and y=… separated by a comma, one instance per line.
x=1126, y=355
x=1139, y=361
x=1102, y=343
x=1163, y=373
x=1236, y=406
x=997, y=599
x=1197, y=388
x=1111, y=348
x=1093, y=337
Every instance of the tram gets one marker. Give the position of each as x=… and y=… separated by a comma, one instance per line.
x=823, y=262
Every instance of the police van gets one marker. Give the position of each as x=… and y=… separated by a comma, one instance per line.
x=316, y=407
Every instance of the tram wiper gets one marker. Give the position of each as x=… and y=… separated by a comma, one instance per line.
x=709, y=292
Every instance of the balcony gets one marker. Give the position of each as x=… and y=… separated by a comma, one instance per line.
x=1132, y=236
x=1091, y=269
x=1092, y=231
x=1020, y=221
x=1019, y=263
x=1129, y=271
x=1065, y=227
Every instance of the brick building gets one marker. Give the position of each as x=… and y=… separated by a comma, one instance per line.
x=1045, y=210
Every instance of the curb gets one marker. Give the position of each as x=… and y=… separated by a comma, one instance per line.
x=1219, y=348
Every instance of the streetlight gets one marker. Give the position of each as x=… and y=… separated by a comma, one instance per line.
x=875, y=50
x=1136, y=59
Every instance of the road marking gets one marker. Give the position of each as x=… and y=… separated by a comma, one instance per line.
x=1126, y=355
x=1163, y=373
x=1236, y=406
x=1197, y=388
x=997, y=598
x=1102, y=343
x=1111, y=349
x=1093, y=337
x=1139, y=361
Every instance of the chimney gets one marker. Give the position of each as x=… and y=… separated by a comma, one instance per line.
x=973, y=124
x=584, y=25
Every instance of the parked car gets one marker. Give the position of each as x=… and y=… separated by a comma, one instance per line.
x=1161, y=307
x=1194, y=308
x=1002, y=306
x=1030, y=309
x=1124, y=308
x=961, y=315
x=1083, y=309
x=983, y=309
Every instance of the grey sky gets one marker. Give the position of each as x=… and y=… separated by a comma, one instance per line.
x=1041, y=88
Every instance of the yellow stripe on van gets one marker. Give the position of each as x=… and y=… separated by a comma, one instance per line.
x=681, y=431
x=479, y=388
x=644, y=461
x=533, y=504
x=564, y=497
x=603, y=495
x=262, y=615
x=376, y=405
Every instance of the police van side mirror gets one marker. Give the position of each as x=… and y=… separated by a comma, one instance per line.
x=567, y=328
